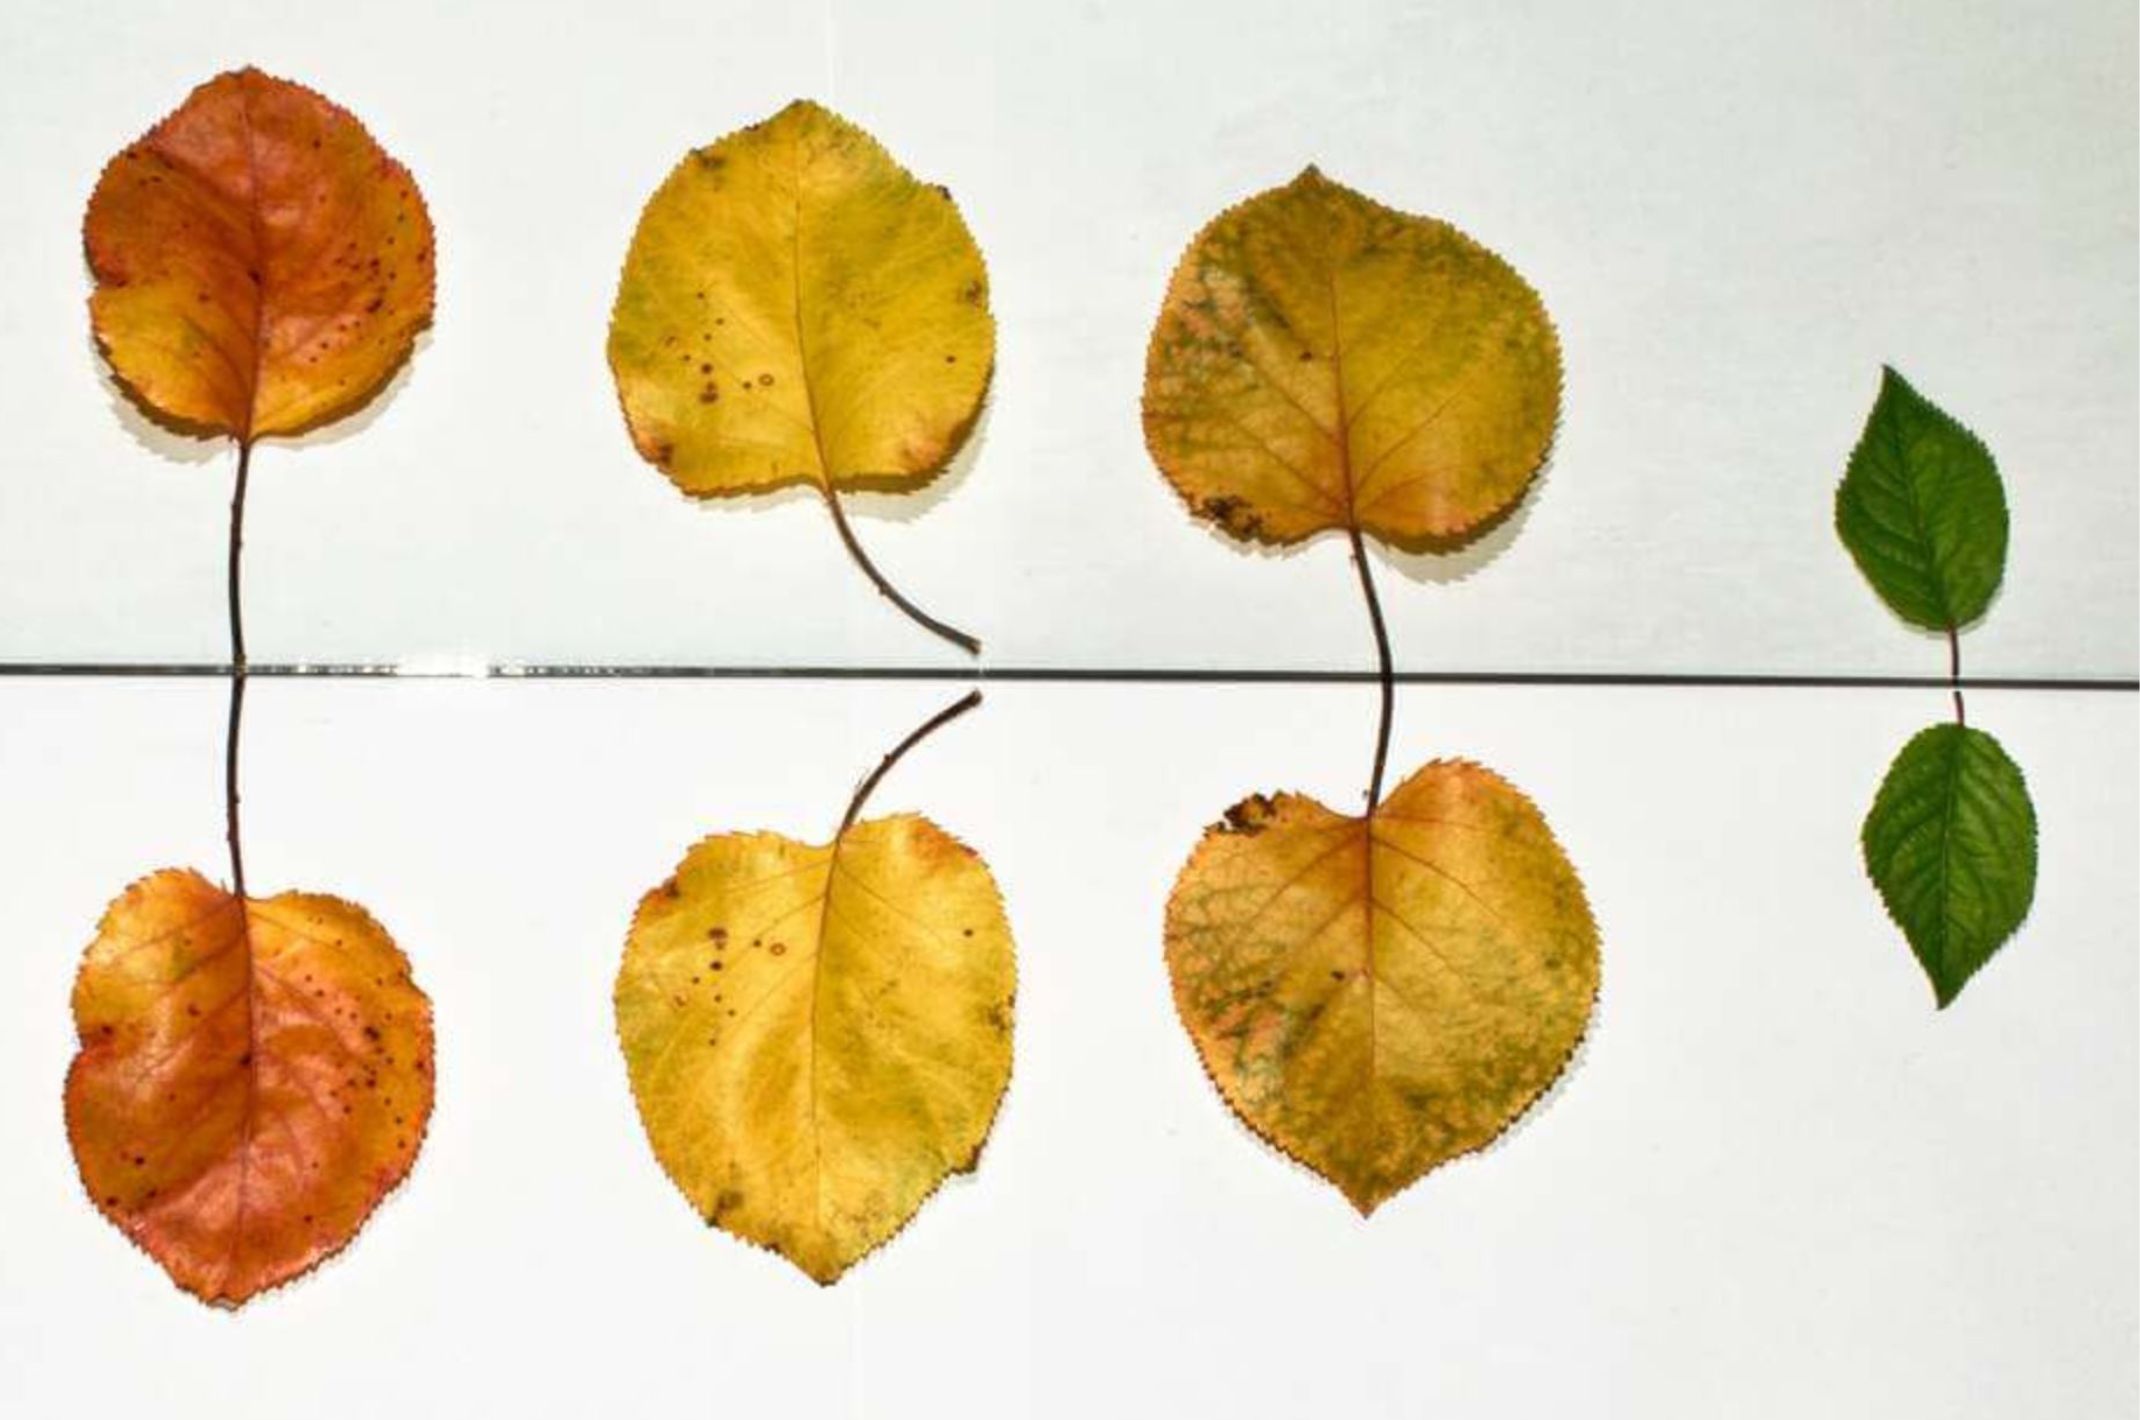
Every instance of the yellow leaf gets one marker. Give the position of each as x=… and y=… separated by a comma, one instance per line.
x=262, y=267
x=254, y=1075
x=817, y=1036
x=1323, y=362
x=796, y=308
x=1378, y=995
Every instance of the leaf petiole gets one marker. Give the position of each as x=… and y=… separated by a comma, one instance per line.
x=949, y=633
x=237, y=669
x=1386, y=678
x=928, y=727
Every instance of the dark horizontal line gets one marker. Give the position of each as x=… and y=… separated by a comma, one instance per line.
x=1061, y=675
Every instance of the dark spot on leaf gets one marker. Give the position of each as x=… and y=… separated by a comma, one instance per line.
x=1251, y=816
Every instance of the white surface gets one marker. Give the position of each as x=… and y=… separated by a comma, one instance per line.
x=1777, y=1183
x=1736, y=212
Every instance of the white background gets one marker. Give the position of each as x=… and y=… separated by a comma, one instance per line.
x=1775, y=1183
x=1734, y=211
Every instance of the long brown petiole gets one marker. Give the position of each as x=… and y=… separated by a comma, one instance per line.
x=854, y=549
x=1954, y=671
x=237, y=670
x=928, y=727
x=1386, y=677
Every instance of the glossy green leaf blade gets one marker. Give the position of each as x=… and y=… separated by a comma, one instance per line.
x=1951, y=845
x=1922, y=510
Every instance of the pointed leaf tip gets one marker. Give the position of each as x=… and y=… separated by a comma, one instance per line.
x=1922, y=511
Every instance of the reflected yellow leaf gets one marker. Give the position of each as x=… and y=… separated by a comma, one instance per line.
x=818, y=1035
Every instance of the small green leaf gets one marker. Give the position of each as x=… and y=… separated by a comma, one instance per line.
x=1951, y=845
x=1922, y=510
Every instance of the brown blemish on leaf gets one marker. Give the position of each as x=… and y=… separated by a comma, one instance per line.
x=1249, y=816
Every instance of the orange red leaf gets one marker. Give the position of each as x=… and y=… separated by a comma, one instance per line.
x=253, y=1077
x=261, y=265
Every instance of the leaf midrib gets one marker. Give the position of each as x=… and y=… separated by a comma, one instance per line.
x=1935, y=578
x=802, y=343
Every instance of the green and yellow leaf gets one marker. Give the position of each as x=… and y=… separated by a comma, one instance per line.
x=1376, y=996
x=1322, y=361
